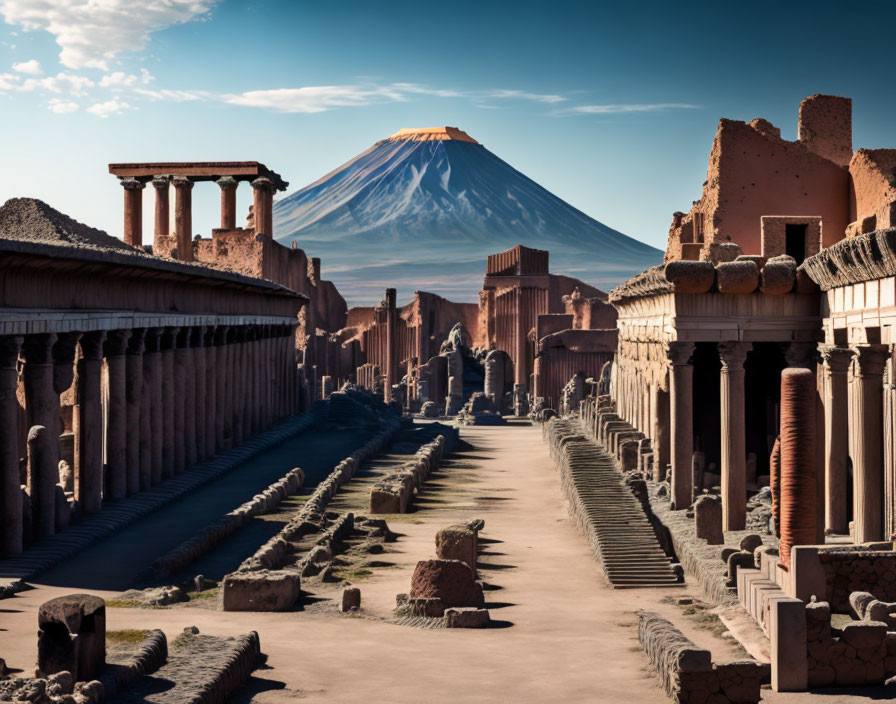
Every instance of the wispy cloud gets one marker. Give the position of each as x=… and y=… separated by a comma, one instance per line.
x=90, y=33
x=109, y=107
x=313, y=99
x=69, y=83
x=621, y=108
x=61, y=106
x=524, y=95
x=32, y=67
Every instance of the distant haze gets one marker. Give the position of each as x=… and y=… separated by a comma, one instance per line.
x=422, y=209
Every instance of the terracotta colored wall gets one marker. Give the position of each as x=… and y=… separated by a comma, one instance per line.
x=873, y=193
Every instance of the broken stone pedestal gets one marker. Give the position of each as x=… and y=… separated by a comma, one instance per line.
x=708, y=519
x=261, y=591
x=72, y=636
x=351, y=598
x=450, y=581
x=458, y=543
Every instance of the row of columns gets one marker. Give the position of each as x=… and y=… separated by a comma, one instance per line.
x=263, y=201
x=174, y=396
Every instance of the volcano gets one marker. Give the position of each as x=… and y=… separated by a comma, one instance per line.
x=422, y=210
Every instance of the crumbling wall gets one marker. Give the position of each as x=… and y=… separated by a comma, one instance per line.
x=873, y=190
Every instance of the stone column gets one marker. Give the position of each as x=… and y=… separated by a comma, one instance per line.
x=189, y=393
x=661, y=433
x=681, y=402
x=868, y=442
x=43, y=474
x=162, y=213
x=263, y=205
x=133, y=211
x=117, y=423
x=169, y=336
x=87, y=420
x=201, y=391
x=734, y=452
x=253, y=379
x=236, y=382
x=228, y=186
x=10, y=481
x=836, y=432
x=221, y=425
x=180, y=385
x=134, y=400
x=183, y=217
x=151, y=425
x=211, y=388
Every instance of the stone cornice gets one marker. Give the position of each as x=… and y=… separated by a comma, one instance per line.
x=854, y=260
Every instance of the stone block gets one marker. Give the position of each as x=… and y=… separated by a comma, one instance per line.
x=458, y=543
x=708, y=519
x=262, y=590
x=787, y=634
x=466, y=617
x=450, y=581
x=72, y=636
x=351, y=598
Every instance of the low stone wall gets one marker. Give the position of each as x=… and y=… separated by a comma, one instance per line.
x=688, y=673
x=857, y=657
x=848, y=570
x=150, y=656
x=207, y=538
x=393, y=492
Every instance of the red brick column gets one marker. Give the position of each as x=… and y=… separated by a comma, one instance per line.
x=10, y=483
x=228, y=185
x=263, y=205
x=183, y=217
x=133, y=211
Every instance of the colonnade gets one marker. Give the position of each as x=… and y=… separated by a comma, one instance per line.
x=149, y=402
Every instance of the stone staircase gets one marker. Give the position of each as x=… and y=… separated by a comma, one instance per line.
x=607, y=512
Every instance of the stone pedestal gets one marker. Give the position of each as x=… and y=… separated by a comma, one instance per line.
x=734, y=453
x=836, y=433
x=72, y=636
x=682, y=422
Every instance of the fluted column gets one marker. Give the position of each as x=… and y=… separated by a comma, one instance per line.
x=152, y=432
x=263, y=206
x=836, y=433
x=162, y=221
x=10, y=481
x=133, y=211
x=681, y=378
x=134, y=400
x=236, y=382
x=868, y=442
x=253, y=378
x=201, y=391
x=211, y=391
x=221, y=432
x=183, y=217
x=661, y=433
x=734, y=452
x=189, y=394
x=228, y=186
x=117, y=415
x=87, y=420
x=180, y=383
x=169, y=336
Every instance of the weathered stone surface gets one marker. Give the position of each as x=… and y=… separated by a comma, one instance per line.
x=738, y=277
x=351, y=598
x=450, y=581
x=72, y=636
x=708, y=519
x=458, y=543
x=261, y=591
x=466, y=617
x=749, y=543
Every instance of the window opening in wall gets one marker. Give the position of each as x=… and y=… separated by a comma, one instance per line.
x=795, y=241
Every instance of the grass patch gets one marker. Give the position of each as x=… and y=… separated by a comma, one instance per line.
x=123, y=603
x=352, y=574
x=205, y=594
x=127, y=636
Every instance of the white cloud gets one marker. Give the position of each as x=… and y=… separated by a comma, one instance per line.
x=524, y=95
x=8, y=82
x=173, y=96
x=118, y=79
x=70, y=83
x=617, y=108
x=62, y=106
x=91, y=32
x=146, y=76
x=311, y=99
x=32, y=67
x=109, y=107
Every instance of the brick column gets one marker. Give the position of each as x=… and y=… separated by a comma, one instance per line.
x=211, y=388
x=836, y=433
x=87, y=421
x=10, y=481
x=868, y=442
x=162, y=213
x=117, y=416
x=169, y=335
x=180, y=385
x=183, y=217
x=734, y=452
x=201, y=390
x=682, y=422
x=228, y=186
x=133, y=211
x=263, y=205
x=134, y=400
x=151, y=426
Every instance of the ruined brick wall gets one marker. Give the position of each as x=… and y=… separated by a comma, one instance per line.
x=850, y=570
x=873, y=190
x=825, y=127
x=856, y=657
x=564, y=354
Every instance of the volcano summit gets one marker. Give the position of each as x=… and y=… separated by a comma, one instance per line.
x=422, y=210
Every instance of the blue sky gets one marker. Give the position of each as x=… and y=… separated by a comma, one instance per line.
x=611, y=106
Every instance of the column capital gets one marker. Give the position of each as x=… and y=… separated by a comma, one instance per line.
x=137, y=342
x=733, y=355
x=132, y=184
x=168, y=337
x=91, y=344
x=836, y=359
x=38, y=349
x=117, y=342
x=800, y=354
x=182, y=182
x=227, y=183
x=263, y=183
x=9, y=350
x=871, y=359
x=161, y=182
x=152, y=340
x=679, y=353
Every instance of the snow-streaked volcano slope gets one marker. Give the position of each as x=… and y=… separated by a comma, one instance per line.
x=422, y=210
